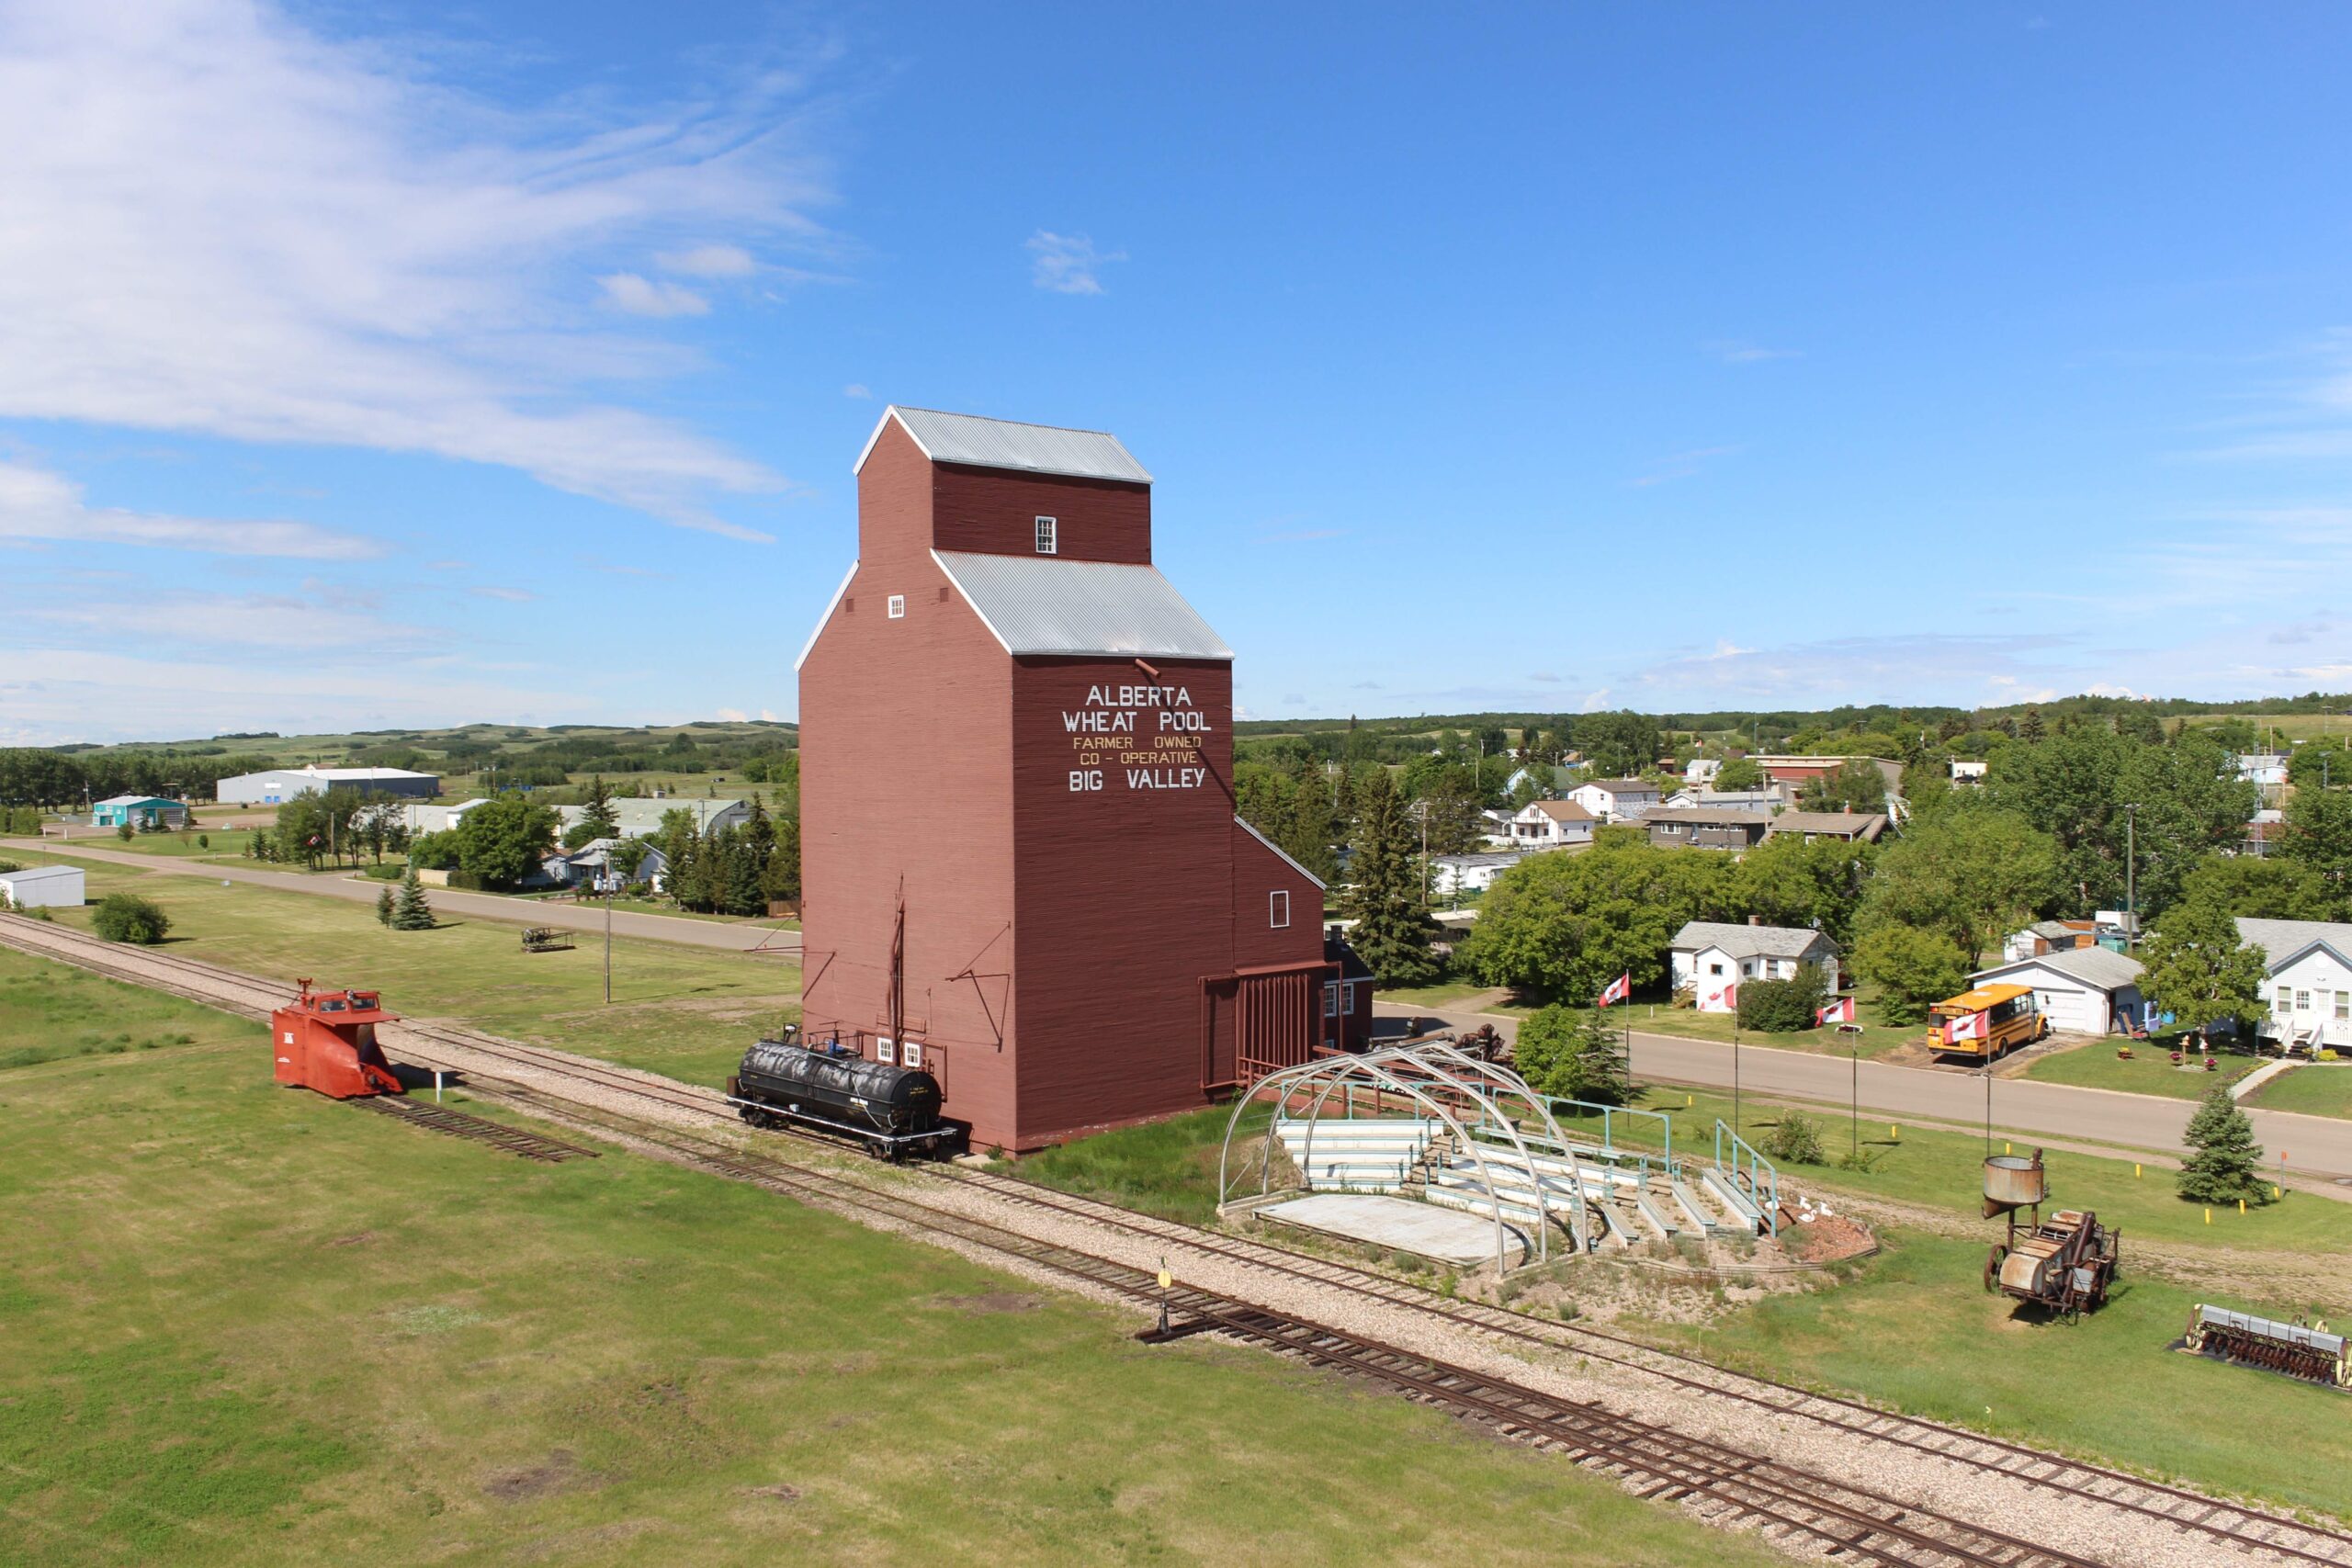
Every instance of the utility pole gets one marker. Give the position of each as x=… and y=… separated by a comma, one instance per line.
x=2130, y=876
x=608, y=927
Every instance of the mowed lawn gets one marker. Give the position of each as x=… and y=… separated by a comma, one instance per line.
x=687, y=1012
x=1877, y=1037
x=2322, y=1089
x=1917, y=1330
x=2149, y=1071
x=248, y=1325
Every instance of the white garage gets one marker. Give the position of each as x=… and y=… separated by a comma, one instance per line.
x=41, y=886
x=2081, y=990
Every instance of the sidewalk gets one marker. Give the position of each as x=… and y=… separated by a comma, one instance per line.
x=2314, y=1147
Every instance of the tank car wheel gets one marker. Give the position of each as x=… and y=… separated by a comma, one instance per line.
x=1993, y=1266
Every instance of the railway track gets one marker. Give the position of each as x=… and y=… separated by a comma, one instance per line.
x=457, y=1124
x=2192, y=1514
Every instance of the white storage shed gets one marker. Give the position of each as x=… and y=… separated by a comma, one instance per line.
x=2081, y=990
x=42, y=886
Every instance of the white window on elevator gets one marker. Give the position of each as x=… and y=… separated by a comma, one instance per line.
x=898, y=606
x=1278, y=908
x=1048, y=536
x=885, y=1052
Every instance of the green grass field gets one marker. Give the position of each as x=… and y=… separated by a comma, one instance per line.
x=2149, y=1070
x=225, y=843
x=1916, y=1329
x=247, y=1325
x=2318, y=1091
x=687, y=1012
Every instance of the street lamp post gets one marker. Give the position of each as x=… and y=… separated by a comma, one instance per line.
x=2130, y=874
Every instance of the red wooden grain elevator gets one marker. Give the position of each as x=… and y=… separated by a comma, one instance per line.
x=1020, y=856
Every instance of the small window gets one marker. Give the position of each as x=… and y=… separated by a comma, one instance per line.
x=2303, y=1001
x=2344, y=1007
x=1330, y=998
x=910, y=1053
x=1714, y=968
x=1048, y=539
x=898, y=606
x=1278, y=909
x=2284, y=1002
x=885, y=1052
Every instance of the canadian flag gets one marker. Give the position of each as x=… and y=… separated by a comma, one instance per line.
x=1617, y=989
x=1969, y=1028
x=1839, y=1011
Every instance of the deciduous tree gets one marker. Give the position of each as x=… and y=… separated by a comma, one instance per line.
x=503, y=841
x=1911, y=969
x=2196, y=969
x=1973, y=872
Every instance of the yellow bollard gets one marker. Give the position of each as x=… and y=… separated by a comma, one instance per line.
x=1893, y=1133
x=1689, y=1101
x=2241, y=1205
x=2135, y=1173
x=2007, y=1150
x=2275, y=1193
x=2208, y=1216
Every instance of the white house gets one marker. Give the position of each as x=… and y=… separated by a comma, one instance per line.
x=1770, y=798
x=1449, y=874
x=1964, y=770
x=1710, y=958
x=2081, y=990
x=1701, y=771
x=2307, y=986
x=591, y=866
x=2267, y=769
x=42, y=886
x=1616, y=800
x=1551, y=825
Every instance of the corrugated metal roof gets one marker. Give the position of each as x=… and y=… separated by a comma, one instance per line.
x=2092, y=966
x=1007, y=444
x=1043, y=605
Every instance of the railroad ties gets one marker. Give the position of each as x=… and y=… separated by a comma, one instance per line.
x=458, y=1124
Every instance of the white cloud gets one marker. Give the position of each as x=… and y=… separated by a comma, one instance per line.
x=733, y=715
x=511, y=595
x=1067, y=264
x=708, y=261
x=628, y=291
x=218, y=221
x=1544, y=677
x=856, y=390
x=219, y=621
x=52, y=695
x=38, y=504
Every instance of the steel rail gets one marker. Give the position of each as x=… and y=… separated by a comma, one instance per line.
x=2239, y=1526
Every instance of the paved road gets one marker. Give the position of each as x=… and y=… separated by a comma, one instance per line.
x=448, y=901
x=2310, y=1146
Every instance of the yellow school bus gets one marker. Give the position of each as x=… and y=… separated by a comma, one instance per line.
x=1985, y=1022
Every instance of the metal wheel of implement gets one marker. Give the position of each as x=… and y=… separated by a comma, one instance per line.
x=1993, y=1266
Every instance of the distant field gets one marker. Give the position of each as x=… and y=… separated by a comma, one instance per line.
x=686, y=1011
x=249, y=1327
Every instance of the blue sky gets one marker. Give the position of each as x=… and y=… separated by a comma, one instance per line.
x=365, y=366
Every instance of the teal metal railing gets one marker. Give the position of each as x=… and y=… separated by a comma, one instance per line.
x=1752, y=1171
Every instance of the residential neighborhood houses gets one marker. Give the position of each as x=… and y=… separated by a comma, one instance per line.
x=1552, y=824
x=2307, y=981
x=1710, y=958
x=1616, y=800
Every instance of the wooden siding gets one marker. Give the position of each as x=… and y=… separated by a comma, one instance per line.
x=992, y=511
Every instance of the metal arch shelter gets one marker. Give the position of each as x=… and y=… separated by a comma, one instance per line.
x=1422, y=1074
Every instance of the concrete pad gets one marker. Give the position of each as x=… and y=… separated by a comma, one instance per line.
x=1425, y=1230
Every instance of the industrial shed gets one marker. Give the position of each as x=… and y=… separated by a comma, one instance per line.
x=42, y=886
x=275, y=786
x=1098, y=939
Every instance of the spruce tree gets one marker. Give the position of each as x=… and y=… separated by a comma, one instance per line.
x=781, y=879
x=598, y=812
x=384, y=905
x=1392, y=926
x=411, y=911
x=2226, y=1165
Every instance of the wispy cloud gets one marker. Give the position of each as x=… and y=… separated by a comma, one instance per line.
x=220, y=221
x=218, y=621
x=857, y=390
x=1545, y=678
x=38, y=504
x=640, y=296
x=1067, y=264
x=708, y=261
x=1905, y=667
x=1301, y=536
x=1736, y=351
x=1682, y=465
x=508, y=595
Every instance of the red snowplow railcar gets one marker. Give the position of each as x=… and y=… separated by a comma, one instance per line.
x=326, y=1040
